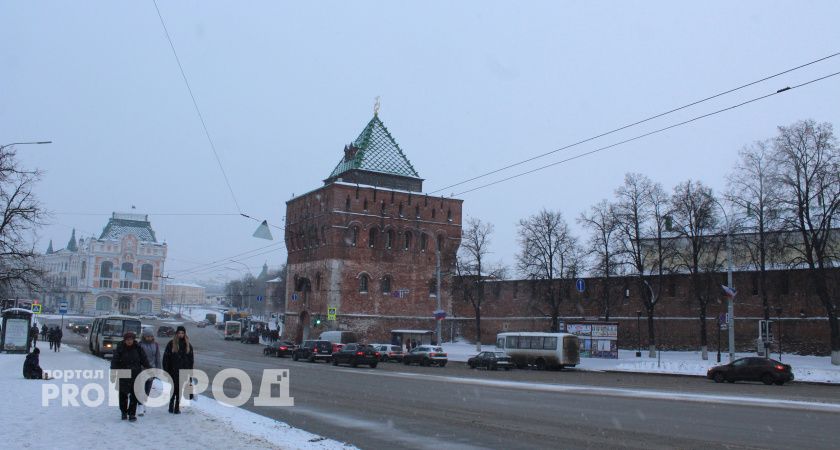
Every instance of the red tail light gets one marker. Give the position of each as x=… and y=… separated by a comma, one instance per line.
x=360, y=353
x=284, y=348
x=377, y=354
x=780, y=367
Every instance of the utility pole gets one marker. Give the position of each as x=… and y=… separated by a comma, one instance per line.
x=730, y=308
x=437, y=272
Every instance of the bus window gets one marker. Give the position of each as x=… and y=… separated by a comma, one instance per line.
x=133, y=326
x=550, y=343
x=536, y=342
x=113, y=327
x=500, y=343
x=512, y=342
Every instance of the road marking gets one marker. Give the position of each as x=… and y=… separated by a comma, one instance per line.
x=618, y=392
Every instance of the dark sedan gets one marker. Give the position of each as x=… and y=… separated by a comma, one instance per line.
x=279, y=349
x=490, y=361
x=766, y=370
x=355, y=354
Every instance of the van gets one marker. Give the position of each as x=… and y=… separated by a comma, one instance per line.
x=107, y=331
x=339, y=337
x=541, y=350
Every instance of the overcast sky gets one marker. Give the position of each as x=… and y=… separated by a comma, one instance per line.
x=465, y=87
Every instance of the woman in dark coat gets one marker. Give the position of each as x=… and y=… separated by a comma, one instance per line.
x=32, y=366
x=177, y=356
x=129, y=355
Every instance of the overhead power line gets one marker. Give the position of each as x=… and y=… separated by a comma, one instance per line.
x=635, y=138
x=197, y=109
x=639, y=122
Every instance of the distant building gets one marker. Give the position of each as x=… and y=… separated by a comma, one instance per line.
x=184, y=294
x=364, y=245
x=117, y=272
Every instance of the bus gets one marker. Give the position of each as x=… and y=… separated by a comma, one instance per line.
x=233, y=329
x=542, y=350
x=107, y=331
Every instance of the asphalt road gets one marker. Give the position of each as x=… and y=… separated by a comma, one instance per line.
x=394, y=406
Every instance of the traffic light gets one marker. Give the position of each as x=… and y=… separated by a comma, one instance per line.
x=317, y=320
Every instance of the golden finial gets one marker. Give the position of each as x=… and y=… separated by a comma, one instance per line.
x=376, y=107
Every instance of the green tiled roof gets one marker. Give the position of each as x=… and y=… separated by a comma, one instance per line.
x=377, y=151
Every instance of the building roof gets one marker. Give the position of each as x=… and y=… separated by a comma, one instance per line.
x=123, y=224
x=375, y=150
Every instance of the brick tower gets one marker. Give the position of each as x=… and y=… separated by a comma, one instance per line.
x=365, y=244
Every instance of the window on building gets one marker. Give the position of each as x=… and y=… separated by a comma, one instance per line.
x=392, y=196
x=146, y=273
x=84, y=269
x=423, y=241
x=323, y=235
x=407, y=241
x=105, y=274
x=401, y=209
x=127, y=275
x=363, y=283
x=372, y=238
x=433, y=287
x=347, y=204
x=385, y=285
x=382, y=207
x=389, y=239
x=354, y=237
x=365, y=205
x=417, y=212
x=433, y=213
x=449, y=215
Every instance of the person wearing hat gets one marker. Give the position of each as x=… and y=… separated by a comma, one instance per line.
x=177, y=356
x=128, y=355
x=152, y=351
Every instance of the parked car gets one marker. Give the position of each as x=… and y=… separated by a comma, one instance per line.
x=426, y=355
x=279, y=349
x=389, y=352
x=165, y=331
x=148, y=317
x=766, y=370
x=201, y=324
x=355, y=354
x=491, y=361
x=250, y=337
x=220, y=325
x=313, y=351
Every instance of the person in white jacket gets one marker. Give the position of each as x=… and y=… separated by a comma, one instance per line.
x=152, y=350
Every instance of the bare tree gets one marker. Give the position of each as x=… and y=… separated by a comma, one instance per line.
x=640, y=212
x=695, y=223
x=601, y=221
x=753, y=188
x=550, y=257
x=22, y=216
x=808, y=164
x=472, y=268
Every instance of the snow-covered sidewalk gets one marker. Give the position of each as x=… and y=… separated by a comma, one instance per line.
x=815, y=369
x=203, y=424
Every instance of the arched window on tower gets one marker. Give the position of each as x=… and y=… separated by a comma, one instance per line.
x=389, y=239
x=365, y=205
x=433, y=287
x=424, y=238
x=372, y=238
x=354, y=236
x=417, y=212
x=407, y=241
x=449, y=215
x=401, y=209
x=363, y=283
x=385, y=285
x=440, y=242
x=347, y=204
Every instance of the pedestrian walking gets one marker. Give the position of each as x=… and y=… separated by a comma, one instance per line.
x=129, y=356
x=34, y=332
x=44, y=330
x=152, y=351
x=178, y=356
x=51, y=337
x=57, y=339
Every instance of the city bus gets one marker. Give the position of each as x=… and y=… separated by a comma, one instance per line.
x=107, y=331
x=541, y=350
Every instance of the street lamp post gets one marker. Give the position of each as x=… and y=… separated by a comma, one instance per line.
x=730, y=308
x=25, y=143
x=639, y=332
x=779, y=319
x=718, y=326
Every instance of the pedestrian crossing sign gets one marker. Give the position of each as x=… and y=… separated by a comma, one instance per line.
x=331, y=312
x=36, y=308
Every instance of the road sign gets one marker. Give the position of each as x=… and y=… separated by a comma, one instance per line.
x=580, y=284
x=259, y=298
x=62, y=307
x=400, y=293
x=331, y=312
x=440, y=314
x=294, y=296
x=723, y=321
x=36, y=308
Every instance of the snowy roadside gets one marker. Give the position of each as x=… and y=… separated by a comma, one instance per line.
x=814, y=369
x=203, y=424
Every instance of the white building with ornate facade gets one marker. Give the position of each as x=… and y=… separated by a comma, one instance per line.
x=118, y=272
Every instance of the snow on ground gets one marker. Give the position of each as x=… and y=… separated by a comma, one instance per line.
x=817, y=369
x=203, y=424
